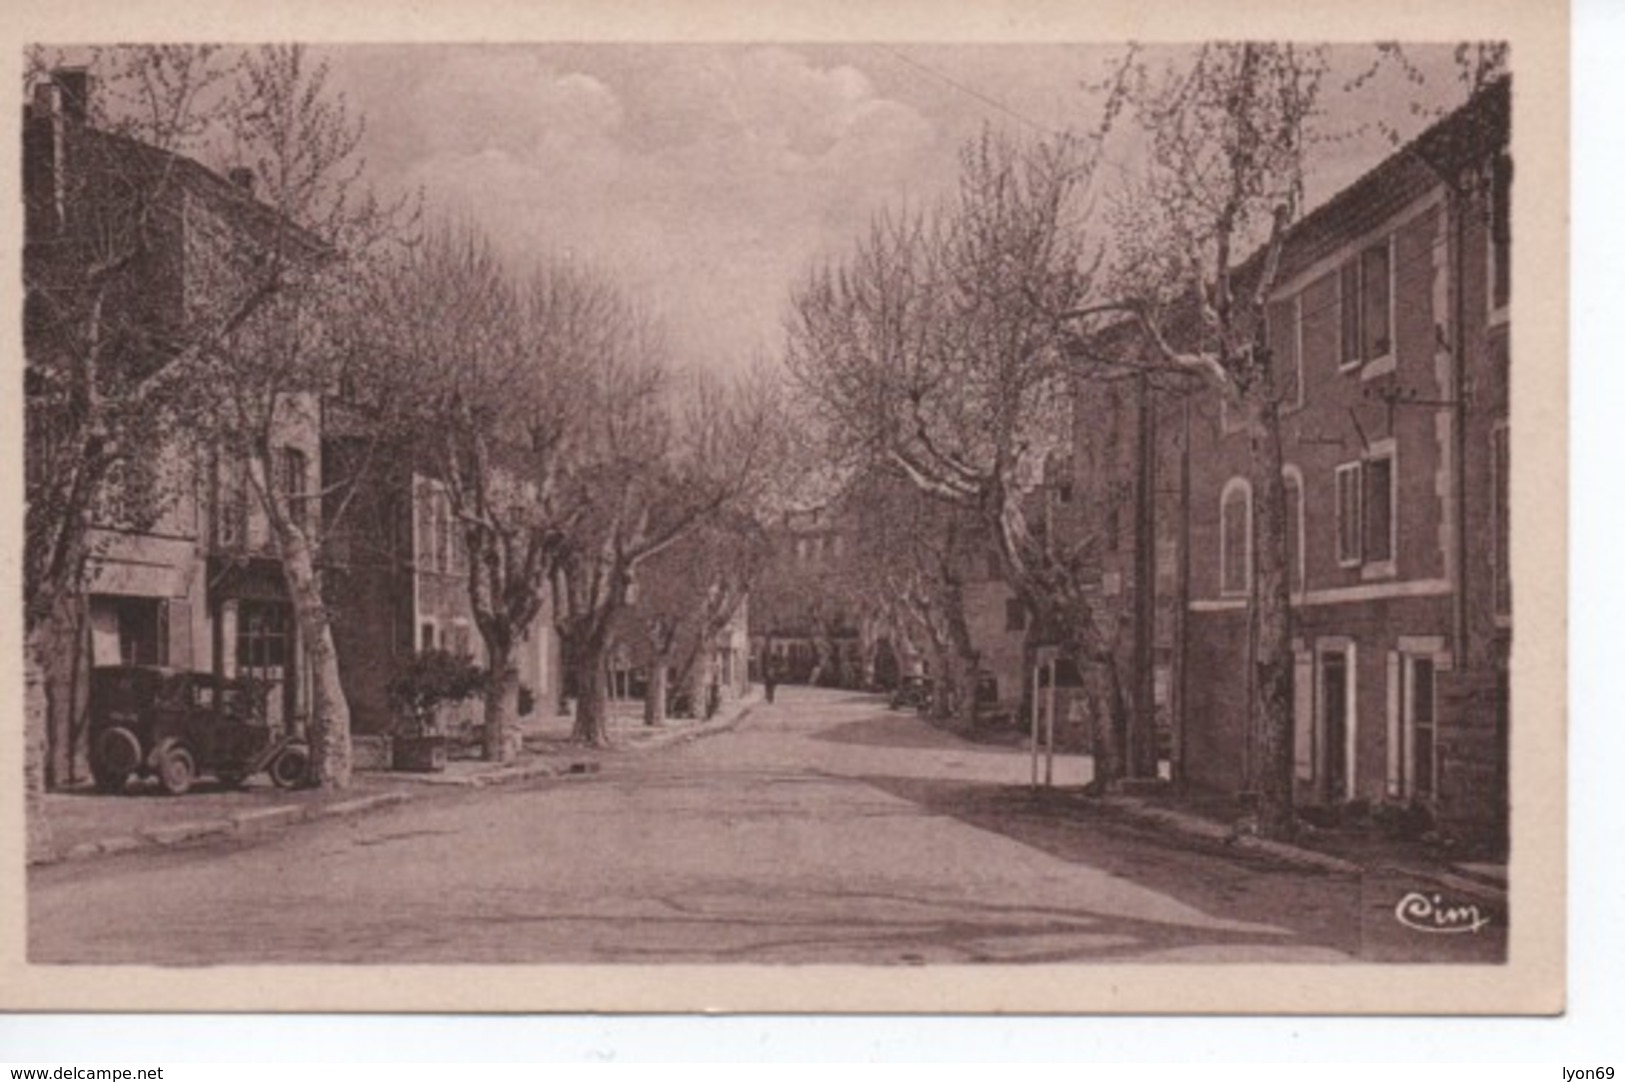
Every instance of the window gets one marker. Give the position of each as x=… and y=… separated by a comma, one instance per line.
x=264, y=631
x=426, y=526
x=1285, y=336
x=295, y=484
x=1348, y=514
x=1365, y=510
x=1367, y=311
x=231, y=504
x=426, y=636
x=442, y=531
x=1235, y=538
x=1294, y=528
x=1378, y=510
x=1420, y=711
x=1501, y=493
x=1375, y=327
x=1349, y=292
x=1501, y=233
x=1015, y=614
x=457, y=639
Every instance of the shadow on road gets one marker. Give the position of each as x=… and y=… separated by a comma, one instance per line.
x=1321, y=909
x=899, y=730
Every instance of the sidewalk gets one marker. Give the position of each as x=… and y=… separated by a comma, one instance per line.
x=86, y=824
x=1215, y=822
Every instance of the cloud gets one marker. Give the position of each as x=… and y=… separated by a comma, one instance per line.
x=706, y=179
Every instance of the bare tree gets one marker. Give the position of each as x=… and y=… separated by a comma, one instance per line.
x=665, y=460
x=491, y=366
x=935, y=348
x=259, y=391
x=115, y=336
x=688, y=595
x=1224, y=174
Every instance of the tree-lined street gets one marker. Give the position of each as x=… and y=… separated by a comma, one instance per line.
x=825, y=829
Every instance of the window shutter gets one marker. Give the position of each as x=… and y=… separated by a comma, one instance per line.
x=178, y=626
x=1376, y=318
x=1350, y=348
x=1303, y=714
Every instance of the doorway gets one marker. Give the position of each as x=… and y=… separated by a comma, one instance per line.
x=1334, y=769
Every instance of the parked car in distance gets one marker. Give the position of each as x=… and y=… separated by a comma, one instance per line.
x=911, y=690
x=147, y=720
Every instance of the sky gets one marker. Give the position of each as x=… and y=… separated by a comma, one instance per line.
x=708, y=179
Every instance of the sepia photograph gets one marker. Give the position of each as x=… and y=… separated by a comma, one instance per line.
x=689, y=523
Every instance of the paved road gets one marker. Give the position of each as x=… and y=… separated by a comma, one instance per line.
x=826, y=829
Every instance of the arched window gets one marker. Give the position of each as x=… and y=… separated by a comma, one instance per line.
x=1235, y=538
x=1294, y=527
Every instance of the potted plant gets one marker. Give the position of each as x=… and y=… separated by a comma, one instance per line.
x=429, y=679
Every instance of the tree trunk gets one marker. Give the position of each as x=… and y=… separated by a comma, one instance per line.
x=1272, y=619
x=501, y=707
x=40, y=845
x=63, y=653
x=329, y=732
x=592, y=721
x=1108, y=720
x=654, y=699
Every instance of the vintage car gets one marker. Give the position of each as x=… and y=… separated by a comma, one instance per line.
x=146, y=720
x=913, y=690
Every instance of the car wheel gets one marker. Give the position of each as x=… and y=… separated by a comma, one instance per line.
x=291, y=768
x=114, y=759
x=176, y=770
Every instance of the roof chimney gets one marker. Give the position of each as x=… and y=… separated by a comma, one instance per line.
x=241, y=176
x=73, y=93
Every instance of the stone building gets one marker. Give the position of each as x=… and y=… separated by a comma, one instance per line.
x=1391, y=316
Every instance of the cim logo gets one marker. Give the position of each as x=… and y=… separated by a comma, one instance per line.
x=1429, y=913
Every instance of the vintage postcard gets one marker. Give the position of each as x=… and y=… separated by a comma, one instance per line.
x=704, y=507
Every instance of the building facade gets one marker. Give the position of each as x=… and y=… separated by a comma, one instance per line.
x=1390, y=318
x=185, y=575
x=396, y=582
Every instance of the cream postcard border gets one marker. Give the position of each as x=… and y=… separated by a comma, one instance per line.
x=1533, y=979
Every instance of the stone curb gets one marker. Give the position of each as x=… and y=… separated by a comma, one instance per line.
x=242, y=822
x=260, y=819
x=496, y=776
x=683, y=736
x=1209, y=831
